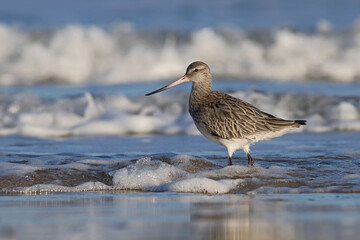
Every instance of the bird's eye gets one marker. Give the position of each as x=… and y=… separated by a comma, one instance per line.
x=196, y=70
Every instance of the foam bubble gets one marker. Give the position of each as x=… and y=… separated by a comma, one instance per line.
x=146, y=174
x=200, y=185
x=187, y=174
x=47, y=188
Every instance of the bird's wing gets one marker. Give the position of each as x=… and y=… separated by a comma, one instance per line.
x=229, y=117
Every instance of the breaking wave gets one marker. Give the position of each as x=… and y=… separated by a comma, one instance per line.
x=84, y=54
x=28, y=114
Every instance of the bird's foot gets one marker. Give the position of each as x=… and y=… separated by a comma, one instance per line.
x=250, y=160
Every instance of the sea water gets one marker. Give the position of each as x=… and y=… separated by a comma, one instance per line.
x=113, y=162
x=84, y=154
x=295, y=163
x=303, y=185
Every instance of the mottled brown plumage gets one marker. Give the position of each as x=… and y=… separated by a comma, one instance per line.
x=227, y=120
x=227, y=117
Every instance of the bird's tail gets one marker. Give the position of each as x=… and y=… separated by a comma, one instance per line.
x=300, y=122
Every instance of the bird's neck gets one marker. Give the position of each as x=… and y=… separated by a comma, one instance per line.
x=199, y=93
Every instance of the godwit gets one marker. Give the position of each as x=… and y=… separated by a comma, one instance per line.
x=227, y=120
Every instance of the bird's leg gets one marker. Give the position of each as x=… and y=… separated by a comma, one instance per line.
x=250, y=160
x=230, y=161
x=246, y=149
x=230, y=153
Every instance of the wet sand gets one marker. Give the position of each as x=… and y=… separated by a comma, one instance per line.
x=134, y=215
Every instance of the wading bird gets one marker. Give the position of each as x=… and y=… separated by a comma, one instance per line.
x=227, y=120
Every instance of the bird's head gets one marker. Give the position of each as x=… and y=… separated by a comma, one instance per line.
x=196, y=72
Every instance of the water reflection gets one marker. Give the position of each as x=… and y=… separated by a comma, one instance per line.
x=180, y=216
x=276, y=218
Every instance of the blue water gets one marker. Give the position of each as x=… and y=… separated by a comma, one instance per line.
x=302, y=162
x=185, y=15
x=140, y=89
x=153, y=145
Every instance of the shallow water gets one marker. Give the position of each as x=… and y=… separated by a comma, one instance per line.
x=180, y=216
x=295, y=163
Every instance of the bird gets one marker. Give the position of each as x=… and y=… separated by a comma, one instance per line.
x=227, y=120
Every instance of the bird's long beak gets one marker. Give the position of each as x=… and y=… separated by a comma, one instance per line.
x=177, y=82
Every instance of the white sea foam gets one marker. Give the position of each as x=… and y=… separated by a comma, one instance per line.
x=30, y=115
x=200, y=185
x=146, y=174
x=153, y=175
x=48, y=188
x=181, y=173
x=236, y=171
x=79, y=54
x=184, y=174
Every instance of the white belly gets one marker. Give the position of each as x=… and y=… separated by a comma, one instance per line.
x=235, y=143
x=242, y=143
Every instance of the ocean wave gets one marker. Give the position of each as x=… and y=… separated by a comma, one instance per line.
x=28, y=114
x=180, y=173
x=83, y=54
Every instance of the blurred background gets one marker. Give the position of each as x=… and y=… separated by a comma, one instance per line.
x=66, y=64
x=126, y=41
